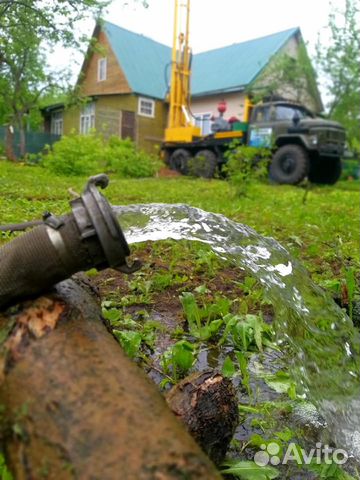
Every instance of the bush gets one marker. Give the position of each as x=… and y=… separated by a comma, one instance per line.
x=128, y=162
x=76, y=155
x=88, y=154
x=246, y=165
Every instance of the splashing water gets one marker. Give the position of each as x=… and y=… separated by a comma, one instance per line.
x=323, y=338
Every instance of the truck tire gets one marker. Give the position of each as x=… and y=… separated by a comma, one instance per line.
x=290, y=165
x=204, y=164
x=179, y=160
x=325, y=171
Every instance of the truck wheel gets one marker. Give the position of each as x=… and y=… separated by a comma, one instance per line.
x=179, y=160
x=290, y=164
x=325, y=171
x=204, y=164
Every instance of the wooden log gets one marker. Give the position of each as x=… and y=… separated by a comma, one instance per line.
x=75, y=407
x=206, y=403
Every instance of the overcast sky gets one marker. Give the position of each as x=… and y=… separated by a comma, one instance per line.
x=215, y=23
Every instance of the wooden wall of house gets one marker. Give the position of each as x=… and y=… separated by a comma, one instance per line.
x=71, y=120
x=109, y=120
x=115, y=82
x=151, y=130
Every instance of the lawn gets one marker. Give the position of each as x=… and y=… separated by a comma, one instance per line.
x=183, y=311
x=323, y=231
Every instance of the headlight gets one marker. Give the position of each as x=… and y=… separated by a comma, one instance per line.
x=313, y=139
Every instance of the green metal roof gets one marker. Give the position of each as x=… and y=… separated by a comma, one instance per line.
x=145, y=62
x=142, y=60
x=232, y=68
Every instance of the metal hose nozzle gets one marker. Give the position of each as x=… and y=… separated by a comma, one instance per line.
x=89, y=237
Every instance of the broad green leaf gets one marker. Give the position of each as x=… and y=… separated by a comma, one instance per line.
x=112, y=314
x=247, y=470
x=130, y=341
x=183, y=355
x=228, y=368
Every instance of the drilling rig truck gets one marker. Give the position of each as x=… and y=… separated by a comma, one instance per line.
x=302, y=144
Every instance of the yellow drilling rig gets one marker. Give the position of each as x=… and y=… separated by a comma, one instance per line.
x=184, y=146
x=301, y=143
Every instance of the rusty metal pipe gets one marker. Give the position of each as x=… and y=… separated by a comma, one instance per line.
x=82, y=409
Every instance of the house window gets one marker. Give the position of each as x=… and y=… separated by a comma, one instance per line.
x=57, y=123
x=102, y=67
x=146, y=107
x=87, y=118
x=203, y=120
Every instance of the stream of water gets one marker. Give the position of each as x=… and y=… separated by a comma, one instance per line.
x=326, y=345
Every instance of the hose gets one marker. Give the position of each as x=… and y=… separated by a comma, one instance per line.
x=19, y=227
x=89, y=237
x=42, y=257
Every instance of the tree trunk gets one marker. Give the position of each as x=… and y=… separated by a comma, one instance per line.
x=9, y=143
x=75, y=407
x=22, y=134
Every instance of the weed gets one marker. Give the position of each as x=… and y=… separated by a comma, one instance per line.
x=205, y=321
x=246, y=332
x=248, y=470
x=178, y=359
x=245, y=166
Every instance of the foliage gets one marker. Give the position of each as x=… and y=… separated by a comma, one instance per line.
x=129, y=162
x=245, y=166
x=4, y=472
x=247, y=470
x=246, y=332
x=129, y=340
x=78, y=154
x=287, y=77
x=135, y=332
x=339, y=64
x=328, y=471
x=178, y=359
x=23, y=76
x=53, y=21
x=210, y=313
x=28, y=29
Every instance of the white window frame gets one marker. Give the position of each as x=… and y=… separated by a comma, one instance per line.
x=150, y=106
x=102, y=69
x=57, y=122
x=200, y=121
x=87, y=118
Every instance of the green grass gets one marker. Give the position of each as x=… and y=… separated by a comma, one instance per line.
x=323, y=233
x=221, y=311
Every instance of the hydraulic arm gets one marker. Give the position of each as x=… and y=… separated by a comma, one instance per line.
x=180, y=126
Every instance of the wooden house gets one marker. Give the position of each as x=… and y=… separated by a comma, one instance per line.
x=125, y=83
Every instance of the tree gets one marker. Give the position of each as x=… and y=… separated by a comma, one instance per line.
x=339, y=65
x=29, y=28
x=23, y=79
x=54, y=21
x=291, y=77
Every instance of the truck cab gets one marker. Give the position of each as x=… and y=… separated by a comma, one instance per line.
x=303, y=144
